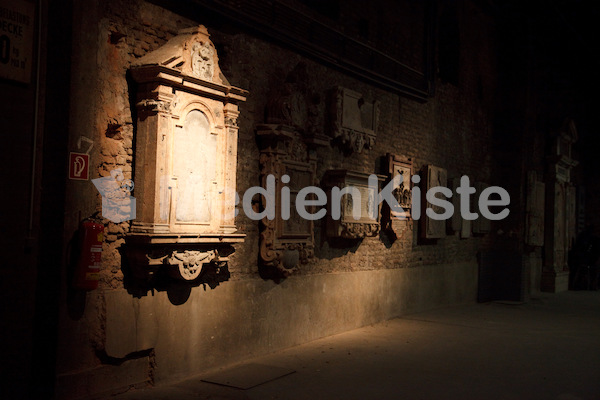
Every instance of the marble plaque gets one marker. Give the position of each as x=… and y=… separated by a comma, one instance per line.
x=194, y=160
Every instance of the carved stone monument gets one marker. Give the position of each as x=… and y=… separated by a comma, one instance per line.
x=395, y=222
x=185, y=158
x=350, y=226
x=285, y=243
x=354, y=120
x=287, y=145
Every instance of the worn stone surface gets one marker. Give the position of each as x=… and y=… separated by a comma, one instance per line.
x=103, y=380
x=476, y=351
x=131, y=324
x=434, y=176
x=251, y=317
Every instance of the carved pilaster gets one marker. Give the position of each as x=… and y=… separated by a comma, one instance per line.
x=149, y=107
x=230, y=119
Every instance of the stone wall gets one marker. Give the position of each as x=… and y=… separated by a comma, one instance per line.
x=251, y=317
x=344, y=287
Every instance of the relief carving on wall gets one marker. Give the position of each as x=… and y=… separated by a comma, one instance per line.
x=285, y=244
x=288, y=141
x=347, y=226
x=188, y=263
x=296, y=104
x=354, y=120
x=203, y=54
x=395, y=222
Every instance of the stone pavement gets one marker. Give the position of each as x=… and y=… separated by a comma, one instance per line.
x=548, y=348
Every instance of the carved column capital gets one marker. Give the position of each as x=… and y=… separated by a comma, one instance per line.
x=153, y=106
x=231, y=114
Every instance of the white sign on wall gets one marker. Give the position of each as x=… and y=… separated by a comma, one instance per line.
x=17, y=24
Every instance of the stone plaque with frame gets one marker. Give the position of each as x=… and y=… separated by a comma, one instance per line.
x=354, y=120
x=288, y=142
x=433, y=177
x=347, y=226
x=395, y=221
x=284, y=244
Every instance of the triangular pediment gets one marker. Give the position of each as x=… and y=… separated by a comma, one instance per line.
x=191, y=52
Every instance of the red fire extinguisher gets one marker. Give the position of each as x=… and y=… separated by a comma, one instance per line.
x=87, y=269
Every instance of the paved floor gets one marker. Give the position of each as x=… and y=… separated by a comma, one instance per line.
x=548, y=348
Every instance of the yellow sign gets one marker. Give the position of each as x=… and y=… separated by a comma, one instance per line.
x=17, y=24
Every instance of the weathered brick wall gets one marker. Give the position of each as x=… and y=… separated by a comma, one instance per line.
x=126, y=32
x=452, y=130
